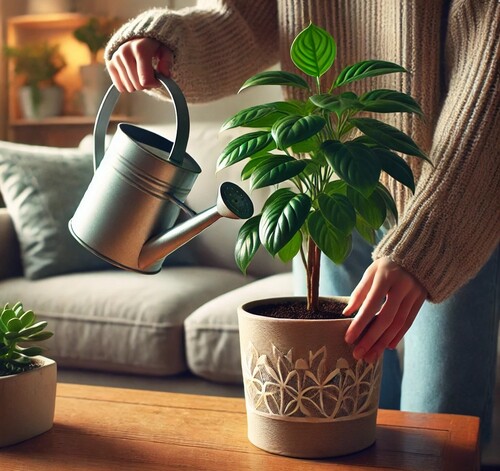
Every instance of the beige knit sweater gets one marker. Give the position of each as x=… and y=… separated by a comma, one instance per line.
x=451, y=49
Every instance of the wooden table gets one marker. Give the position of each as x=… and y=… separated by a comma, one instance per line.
x=110, y=429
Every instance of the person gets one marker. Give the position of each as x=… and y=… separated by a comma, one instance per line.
x=442, y=260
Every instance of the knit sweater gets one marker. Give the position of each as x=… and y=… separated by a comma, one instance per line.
x=451, y=48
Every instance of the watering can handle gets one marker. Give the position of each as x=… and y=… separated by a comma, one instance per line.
x=181, y=119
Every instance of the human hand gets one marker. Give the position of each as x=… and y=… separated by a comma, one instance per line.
x=388, y=299
x=131, y=66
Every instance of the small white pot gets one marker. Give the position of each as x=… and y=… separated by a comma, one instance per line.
x=95, y=83
x=51, y=104
x=27, y=402
x=306, y=395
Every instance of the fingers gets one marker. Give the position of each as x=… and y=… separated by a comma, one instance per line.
x=132, y=67
x=388, y=299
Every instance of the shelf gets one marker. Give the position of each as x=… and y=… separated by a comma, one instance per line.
x=49, y=21
x=66, y=120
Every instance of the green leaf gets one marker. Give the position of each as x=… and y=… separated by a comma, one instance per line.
x=388, y=136
x=245, y=146
x=337, y=103
x=247, y=243
x=35, y=328
x=7, y=315
x=396, y=167
x=27, y=318
x=338, y=211
x=255, y=116
x=335, y=245
x=390, y=204
x=284, y=213
x=290, y=250
x=365, y=69
x=313, y=51
x=294, y=129
x=276, y=170
x=275, y=77
x=14, y=325
x=336, y=187
x=365, y=230
x=355, y=163
x=29, y=351
x=38, y=337
x=371, y=209
x=255, y=162
x=389, y=101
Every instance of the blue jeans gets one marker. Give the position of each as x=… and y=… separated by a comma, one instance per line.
x=449, y=352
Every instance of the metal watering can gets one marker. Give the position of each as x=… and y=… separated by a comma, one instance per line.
x=140, y=183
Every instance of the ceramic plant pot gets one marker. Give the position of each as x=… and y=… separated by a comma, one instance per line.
x=306, y=396
x=27, y=402
x=51, y=102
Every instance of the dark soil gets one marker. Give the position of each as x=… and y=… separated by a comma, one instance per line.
x=327, y=309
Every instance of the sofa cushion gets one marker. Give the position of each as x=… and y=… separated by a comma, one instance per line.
x=212, y=339
x=42, y=187
x=121, y=321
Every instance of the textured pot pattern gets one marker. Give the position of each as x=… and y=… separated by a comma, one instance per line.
x=306, y=395
x=308, y=389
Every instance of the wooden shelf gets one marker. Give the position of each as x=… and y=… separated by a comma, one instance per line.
x=71, y=127
x=66, y=121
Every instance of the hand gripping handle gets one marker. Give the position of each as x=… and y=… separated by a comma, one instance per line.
x=181, y=120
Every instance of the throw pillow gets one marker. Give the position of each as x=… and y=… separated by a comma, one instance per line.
x=42, y=187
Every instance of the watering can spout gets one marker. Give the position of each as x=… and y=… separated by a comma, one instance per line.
x=232, y=202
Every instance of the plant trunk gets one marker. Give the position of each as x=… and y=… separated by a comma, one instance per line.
x=313, y=266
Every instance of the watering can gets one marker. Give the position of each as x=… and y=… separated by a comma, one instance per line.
x=127, y=215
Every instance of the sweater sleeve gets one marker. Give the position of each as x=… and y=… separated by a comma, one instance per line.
x=452, y=224
x=217, y=45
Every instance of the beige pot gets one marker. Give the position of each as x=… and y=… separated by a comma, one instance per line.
x=306, y=396
x=27, y=402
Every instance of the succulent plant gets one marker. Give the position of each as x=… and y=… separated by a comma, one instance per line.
x=19, y=326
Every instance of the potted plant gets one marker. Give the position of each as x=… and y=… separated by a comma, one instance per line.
x=306, y=394
x=95, y=80
x=27, y=379
x=37, y=65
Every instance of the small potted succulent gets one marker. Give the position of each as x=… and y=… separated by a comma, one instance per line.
x=306, y=394
x=27, y=379
x=37, y=66
x=95, y=80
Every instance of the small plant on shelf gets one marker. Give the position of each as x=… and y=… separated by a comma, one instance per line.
x=36, y=65
x=94, y=34
x=19, y=326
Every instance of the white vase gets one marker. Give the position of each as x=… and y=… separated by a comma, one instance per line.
x=95, y=83
x=306, y=396
x=27, y=402
x=51, y=102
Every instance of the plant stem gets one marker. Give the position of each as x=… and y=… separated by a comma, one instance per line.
x=313, y=266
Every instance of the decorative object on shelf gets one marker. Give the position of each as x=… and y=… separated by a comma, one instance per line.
x=95, y=79
x=24, y=375
x=37, y=65
x=307, y=394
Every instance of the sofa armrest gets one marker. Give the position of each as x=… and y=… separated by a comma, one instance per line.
x=10, y=259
